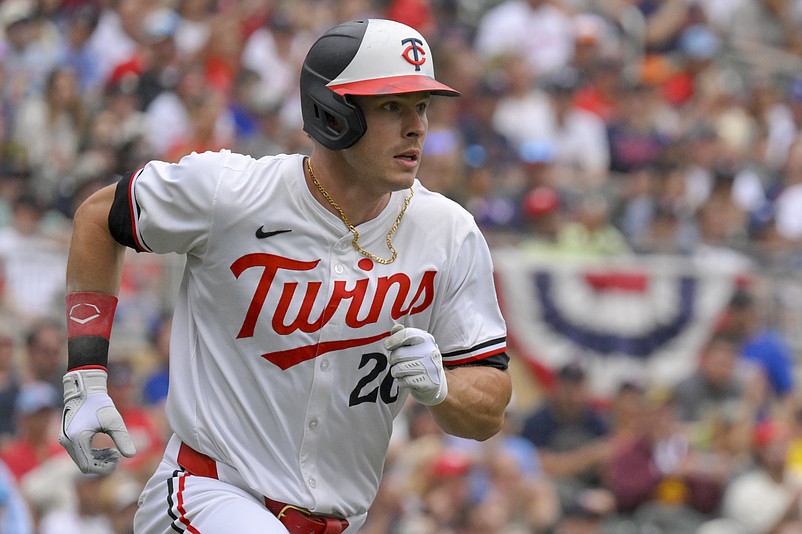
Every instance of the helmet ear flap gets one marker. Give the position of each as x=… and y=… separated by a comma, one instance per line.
x=331, y=119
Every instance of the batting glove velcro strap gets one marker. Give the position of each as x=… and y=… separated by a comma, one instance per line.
x=88, y=410
x=416, y=363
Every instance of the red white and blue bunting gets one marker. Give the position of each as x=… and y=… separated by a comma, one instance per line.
x=638, y=318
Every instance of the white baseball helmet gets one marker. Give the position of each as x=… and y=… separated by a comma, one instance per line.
x=362, y=57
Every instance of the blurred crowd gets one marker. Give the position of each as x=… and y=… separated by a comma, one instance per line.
x=601, y=127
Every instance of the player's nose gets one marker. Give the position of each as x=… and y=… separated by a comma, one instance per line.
x=415, y=123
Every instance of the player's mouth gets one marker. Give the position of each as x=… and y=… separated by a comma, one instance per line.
x=410, y=158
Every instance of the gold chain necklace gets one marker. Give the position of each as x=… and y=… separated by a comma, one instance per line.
x=353, y=230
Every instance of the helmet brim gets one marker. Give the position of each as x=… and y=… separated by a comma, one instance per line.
x=393, y=85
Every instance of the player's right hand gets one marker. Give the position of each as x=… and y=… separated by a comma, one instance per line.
x=88, y=410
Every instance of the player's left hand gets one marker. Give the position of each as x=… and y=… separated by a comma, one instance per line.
x=416, y=363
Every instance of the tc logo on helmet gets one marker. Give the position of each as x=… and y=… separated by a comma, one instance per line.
x=418, y=54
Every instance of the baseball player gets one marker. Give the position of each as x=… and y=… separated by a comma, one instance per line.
x=319, y=293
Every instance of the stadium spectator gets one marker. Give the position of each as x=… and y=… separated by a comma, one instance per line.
x=782, y=120
x=483, y=145
x=221, y=56
x=116, y=35
x=14, y=514
x=142, y=424
x=582, y=152
x=275, y=52
x=542, y=30
x=77, y=55
x=154, y=60
x=571, y=437
x=36, y=412
x=522, y=112
x=765, y=499
x=662, y=481
x=600, y=92
x=745, y=317
x=169, y=115
x=87, y=515
x=193, y=31
x=644, y=126
x=10, y=378
x=157, y=378
x=513, y=492
x=51, y=127
x=590, y=230
x=32, y=260
x=788, y=204
x=723, y=394
x=27, y=56
x=45, y=347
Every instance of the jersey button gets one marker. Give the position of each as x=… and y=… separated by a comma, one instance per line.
x=339, y=269
x=313, y=424
x=312, y=483
x=324, y=364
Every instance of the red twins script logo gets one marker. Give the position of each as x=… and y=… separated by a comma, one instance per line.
x=358, y=297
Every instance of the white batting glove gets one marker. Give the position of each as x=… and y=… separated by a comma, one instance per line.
x=416, y=363
x=88, y=410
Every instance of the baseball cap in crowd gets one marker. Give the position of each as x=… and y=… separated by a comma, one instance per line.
x=766, y=432
x=540, y=201
x=537, y=151
x=161, y=24
x=451, y=464
x=36, y=396
x=699, y=42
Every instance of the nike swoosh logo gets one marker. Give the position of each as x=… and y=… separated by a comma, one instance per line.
x=64, y=421
x=261, y=234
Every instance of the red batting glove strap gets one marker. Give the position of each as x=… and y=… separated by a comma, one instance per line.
x=90, y=314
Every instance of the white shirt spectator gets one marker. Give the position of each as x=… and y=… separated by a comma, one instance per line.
x=276, y=61
x=524, y=118
x=539, y=30
x=756, y=501
x=579, y=137
x=788, y=213
x=168, y=122
x=581, y=141
x=110, y=44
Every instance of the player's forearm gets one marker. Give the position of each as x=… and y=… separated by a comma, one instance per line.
x=477, y=398
x=95, y=258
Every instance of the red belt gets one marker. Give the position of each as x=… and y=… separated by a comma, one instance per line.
x=296, y=520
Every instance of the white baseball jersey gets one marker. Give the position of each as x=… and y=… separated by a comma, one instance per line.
x=277, y=366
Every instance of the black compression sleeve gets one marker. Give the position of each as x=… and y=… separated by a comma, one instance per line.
x=121, y=215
